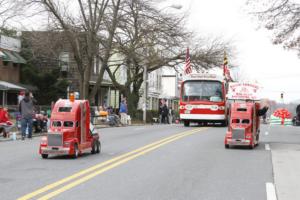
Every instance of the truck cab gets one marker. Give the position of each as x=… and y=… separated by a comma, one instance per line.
x=70, y=132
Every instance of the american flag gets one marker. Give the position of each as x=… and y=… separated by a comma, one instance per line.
x=188, y=67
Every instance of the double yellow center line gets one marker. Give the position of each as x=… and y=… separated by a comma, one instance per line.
x=89, y=173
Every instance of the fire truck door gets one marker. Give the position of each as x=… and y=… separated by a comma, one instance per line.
x=83, y=122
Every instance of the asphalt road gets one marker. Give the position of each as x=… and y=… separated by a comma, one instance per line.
x=191, y=163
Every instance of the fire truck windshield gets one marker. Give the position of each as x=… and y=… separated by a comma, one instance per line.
x=202, y=91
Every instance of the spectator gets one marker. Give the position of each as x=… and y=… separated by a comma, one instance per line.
x=165, y=113
x=93, y=113
x=21, y=96
x=5, y=123
x=171, y=116
x=40, y=122
x=26, y=109
x=123, y=112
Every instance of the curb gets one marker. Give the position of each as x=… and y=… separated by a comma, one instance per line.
x=43, y=134
x=19, y=137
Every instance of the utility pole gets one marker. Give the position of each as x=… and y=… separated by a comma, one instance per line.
x=145, y=95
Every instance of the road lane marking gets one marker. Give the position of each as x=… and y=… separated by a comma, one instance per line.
x=267, y=147
x=271, y=192
x=95, y=167
x=92, y=175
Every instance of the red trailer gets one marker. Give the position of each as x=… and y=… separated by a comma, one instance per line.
x=70, y=132
x=243, y=129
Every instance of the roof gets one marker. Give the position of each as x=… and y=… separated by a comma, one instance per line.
x=12, y=56
x=28, y=87
x=10, y=86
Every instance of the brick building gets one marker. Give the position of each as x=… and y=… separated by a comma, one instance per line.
x=10, y=64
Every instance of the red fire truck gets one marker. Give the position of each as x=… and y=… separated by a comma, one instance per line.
x=70, y=131
x=203, y=99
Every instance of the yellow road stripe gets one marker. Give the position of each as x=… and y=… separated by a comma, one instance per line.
x=92, y=175
x=83, y=172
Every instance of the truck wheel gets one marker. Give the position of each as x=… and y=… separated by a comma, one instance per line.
x=186, y=123
x=226, y=146
x=257, y=140
x=98, y=147
x=76, y=151
x=94, y=147
x=224, y=123
x=251, y=146
x=45, y=156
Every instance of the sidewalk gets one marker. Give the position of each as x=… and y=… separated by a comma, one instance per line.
x=97, y=126
x=18, y=136
x=286, y=166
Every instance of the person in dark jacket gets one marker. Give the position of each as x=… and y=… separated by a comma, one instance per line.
x=262, y=111
x=26, y=109
x=165, y=113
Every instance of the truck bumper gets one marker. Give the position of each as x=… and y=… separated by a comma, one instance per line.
x=202, y=117
x=55, y=150
x=242, y=142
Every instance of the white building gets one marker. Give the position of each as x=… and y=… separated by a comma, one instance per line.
x=162, y=84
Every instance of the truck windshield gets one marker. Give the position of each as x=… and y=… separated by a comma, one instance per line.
x=202, y=91
x=64, y=109
x=68, y=124
x=56, y=123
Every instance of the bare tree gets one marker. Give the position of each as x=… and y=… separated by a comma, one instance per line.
x=9, y=9
x=146, y=37
x=85, y=32
x=282, y=17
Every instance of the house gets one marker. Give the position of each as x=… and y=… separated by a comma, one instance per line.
x=10, y=63
x=52, y=50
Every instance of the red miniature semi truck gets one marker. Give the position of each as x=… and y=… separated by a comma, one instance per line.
x=243, y=129
x=244, y=123
x=70, y=132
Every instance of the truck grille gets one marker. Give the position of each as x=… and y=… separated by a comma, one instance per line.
x=54, y=139
x=238, y=133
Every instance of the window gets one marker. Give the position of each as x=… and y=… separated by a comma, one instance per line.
x=56, y=123
x=202, y=91
x=68, y=124
x=64, y=109
x=235, y=121
x=64, y=61
x=245, y=121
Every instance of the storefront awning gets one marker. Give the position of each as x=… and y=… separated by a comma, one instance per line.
x=11, y=56
x=10, y=86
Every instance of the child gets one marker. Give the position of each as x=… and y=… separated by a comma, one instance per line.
x=5, y=123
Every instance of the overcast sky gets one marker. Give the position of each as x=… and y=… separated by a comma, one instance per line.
x=275, y=69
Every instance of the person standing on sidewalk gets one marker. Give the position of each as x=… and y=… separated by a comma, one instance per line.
x=26, y=109
x=123, y=112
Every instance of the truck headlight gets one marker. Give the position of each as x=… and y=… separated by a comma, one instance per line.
x=67, y=143
x=44, y=141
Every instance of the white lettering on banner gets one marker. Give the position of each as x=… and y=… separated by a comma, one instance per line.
x=243, y=91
